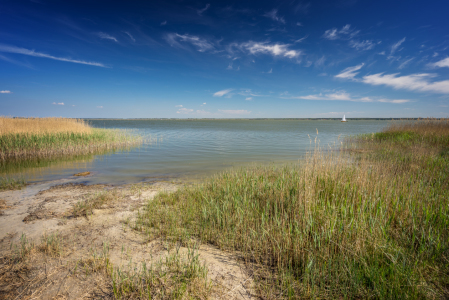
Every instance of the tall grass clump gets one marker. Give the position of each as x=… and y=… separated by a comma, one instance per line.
x=28, y=138
x=372, y=225
x=11, y=183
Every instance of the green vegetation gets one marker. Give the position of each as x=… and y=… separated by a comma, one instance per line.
x=26, y=146
x=30, y=138
x=11, y=183
x=371, y=224
x=177, y=276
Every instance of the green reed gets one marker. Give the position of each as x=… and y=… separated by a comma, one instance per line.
x=43, y=145
x=370, y=225
x=11, y=183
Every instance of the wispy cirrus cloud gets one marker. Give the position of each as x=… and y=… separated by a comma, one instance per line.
x=343, y=96
x=396, y=45
x=249, y=93
x=60, y=103
x=440, y=64
x=405, y=63
x=106, y=36
x=350, y=73
x=178, y=105
x=14, y=49
x=200, y=11
x=273, y=14
x=222, y=92
x=130, y=36
x=345, y=32
x=184, y=111
x=276, y=49
x=414, y=82
x=334, y=96
x=235, y=112
x=363, y=45
x=175, y=39
x=5, y=92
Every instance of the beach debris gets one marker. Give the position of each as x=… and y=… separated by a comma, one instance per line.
x=82, y=174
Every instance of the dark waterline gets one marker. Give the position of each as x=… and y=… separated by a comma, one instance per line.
x=193, y=149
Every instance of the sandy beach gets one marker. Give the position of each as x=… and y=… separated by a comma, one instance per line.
x=40, y=217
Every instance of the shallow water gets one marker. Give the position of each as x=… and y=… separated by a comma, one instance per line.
x=192, y=149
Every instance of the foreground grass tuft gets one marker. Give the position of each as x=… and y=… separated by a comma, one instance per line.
x=11, y=183
x=177, y=276
x=372, y=225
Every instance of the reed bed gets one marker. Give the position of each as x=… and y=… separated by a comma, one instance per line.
x=373, y=225
x=28, y=138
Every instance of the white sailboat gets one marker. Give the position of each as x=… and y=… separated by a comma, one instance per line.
x=344, y=119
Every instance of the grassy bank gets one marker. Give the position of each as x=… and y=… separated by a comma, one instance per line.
x=373, y=225
x=28, y=138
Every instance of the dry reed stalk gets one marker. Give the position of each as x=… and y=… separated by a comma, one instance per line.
x=10, y=125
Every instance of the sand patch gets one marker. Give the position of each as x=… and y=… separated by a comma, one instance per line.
x=90, y=247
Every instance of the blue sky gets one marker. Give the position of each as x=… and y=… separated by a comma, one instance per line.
x=221, y=59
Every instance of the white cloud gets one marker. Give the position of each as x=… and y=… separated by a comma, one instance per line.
x=5, y=92
x=301, y=39
x=13, y=49
x=343, y=96
x=272, y=49
x=130, y=36
x=405, y=63
x=222, y=92
x=174, y=38
x=235, y=112
x=107, y=36
x=413, y=82
x=271, y=71
x=99, y=106
x=299, y=24
x=249, y=93
x=249, y=98
x=440, y=64
x=363, y=45
x=273, y=14
x=204, y=103
x=335, y=96
x=350, y=73
x=60, y=103
x=344, y=32
x=163, y=23
x=184, y=111
x=178, y=106
x=395, y=46
x=200, y=11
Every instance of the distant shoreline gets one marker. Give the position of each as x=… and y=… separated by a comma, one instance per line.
x=261, y=119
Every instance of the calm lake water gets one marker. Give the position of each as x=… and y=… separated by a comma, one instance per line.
x=192, y=149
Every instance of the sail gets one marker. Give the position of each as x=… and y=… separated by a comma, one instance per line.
x=344, y=119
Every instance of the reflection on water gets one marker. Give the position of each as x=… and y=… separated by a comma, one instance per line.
x=196, y=148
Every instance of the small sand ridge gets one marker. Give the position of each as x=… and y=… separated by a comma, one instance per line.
x=71, y=268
